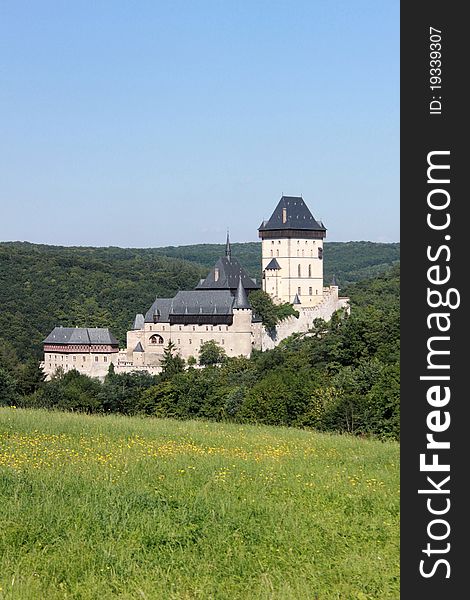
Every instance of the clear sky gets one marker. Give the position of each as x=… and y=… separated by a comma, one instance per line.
x=153, y=123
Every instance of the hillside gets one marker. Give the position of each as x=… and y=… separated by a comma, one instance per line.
x=42, y=286
x=348, y=261
x=163, y=509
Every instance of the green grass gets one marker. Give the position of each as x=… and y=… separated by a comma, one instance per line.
x=116, y=507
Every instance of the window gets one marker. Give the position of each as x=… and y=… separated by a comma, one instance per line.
x=207, y=327
x=190, y=341
x=178, y=342
x=284, y=215
x=84, y=359
x=320, y=253
x=105, y=359
x=216, y=274
x=96, y=359
x=310, y=291
x=223, y=341
x=298, y=291
x=298, y=271
x=309, y=270
x=74, y=358
x=180, y=327
x=194, y=328
x=150, y=328
x=220, y=328
x=156, y=339
x=272, y=242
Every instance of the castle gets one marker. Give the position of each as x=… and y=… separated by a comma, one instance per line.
x=218, y=308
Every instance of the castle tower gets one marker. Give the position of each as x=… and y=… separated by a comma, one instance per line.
x=292, y=253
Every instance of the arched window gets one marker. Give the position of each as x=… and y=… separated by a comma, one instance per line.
x=309, y=270
x=298, y=271
x=320, y=253
x=156, y=339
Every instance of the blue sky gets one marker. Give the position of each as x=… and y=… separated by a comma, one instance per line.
x=152, y=123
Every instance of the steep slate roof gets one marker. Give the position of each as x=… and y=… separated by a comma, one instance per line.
x=273, y=265
x=296, y=299
x=298, y=216
x=241, y=299
x=163, y=306
x=230, y=272
x=210, y=302
x=138, y=348
x=81, y=335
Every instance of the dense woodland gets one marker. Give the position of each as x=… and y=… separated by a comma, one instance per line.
x=43, y=286
x=341, y=376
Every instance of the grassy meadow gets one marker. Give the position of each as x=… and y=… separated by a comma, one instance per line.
x=134, y=508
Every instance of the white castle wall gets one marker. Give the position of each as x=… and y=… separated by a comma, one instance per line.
x=324, y=310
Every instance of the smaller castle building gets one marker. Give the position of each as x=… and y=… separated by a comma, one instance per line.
x=88, y=350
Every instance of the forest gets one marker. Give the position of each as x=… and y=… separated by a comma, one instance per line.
x=45, y=286
x=341, y=376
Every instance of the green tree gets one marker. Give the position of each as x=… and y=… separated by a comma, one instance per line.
x=172, y=363
x=264, y=308
x=8, y=389
x=211, y=353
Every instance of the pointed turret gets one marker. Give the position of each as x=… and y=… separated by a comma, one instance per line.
x=241, y=299
x=297, y=299
x=228, y=250
x=139, y=322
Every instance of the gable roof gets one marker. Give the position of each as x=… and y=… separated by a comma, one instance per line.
x=81, y=335
x=291, y=212
x=225, y=275
x=204, y=302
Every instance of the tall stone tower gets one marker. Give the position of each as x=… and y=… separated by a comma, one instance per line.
x=292, y=254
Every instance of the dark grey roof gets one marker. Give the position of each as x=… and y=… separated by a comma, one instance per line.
x=138, y=348
x=81, y=335
x=162, y=306
x=298, y=216
x=202, y=302
x=138, y=322
x=241, y=299
x=273, y=265
x=297, y=299
x=225, y=275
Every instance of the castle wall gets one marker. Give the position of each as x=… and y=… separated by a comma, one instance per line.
x=236, y=339
x=330, y=303
x=93, y=364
